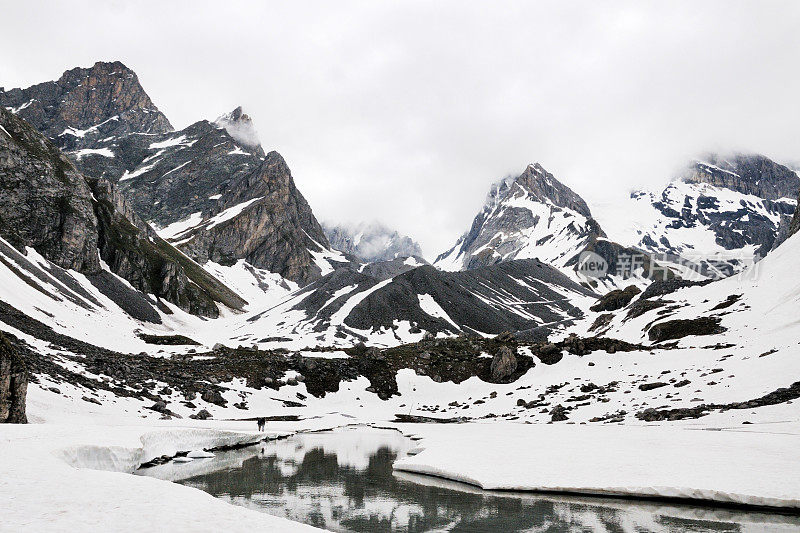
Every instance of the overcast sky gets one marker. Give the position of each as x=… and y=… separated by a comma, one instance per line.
x=406, y=112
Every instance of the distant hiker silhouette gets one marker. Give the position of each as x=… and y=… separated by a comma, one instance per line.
x=262, y=422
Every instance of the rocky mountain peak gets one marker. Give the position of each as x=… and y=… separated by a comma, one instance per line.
x=720, y=214
x=240, y=126
x=86, y=104
x=539, y=185
x=532, y=215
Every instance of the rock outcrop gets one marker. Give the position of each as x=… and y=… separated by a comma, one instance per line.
x=616, y=299
x=504, y=363
x=13, y=384
x=752, y=174
x=265, y=220
x=677, y=329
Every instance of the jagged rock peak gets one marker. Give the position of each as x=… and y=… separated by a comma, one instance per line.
x=240, y=126
x=542, y=186
x=105, y=99
x=746, y=173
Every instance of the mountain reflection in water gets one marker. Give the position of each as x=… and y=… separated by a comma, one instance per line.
x=342, y=480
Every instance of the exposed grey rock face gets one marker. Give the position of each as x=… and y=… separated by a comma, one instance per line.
x=87, y=104
x=530, y=216
x=134, y=251
x=236, y=201
x=171, y=176
x=794, y=225
x=13, y=384
x=73, y=221
x=265, y=220
x=371, y=242
x=746, y=173
x=44, y=202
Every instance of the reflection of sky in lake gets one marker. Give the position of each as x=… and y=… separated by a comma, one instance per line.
x=342, y=480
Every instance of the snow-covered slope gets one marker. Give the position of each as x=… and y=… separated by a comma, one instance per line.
x=757, y=306
x=75, y=304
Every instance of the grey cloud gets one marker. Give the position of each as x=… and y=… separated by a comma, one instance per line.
x=406, y=112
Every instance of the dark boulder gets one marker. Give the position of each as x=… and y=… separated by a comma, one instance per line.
x=504, y=364
x=616, y=299
x=677, y=329
x=202, y=414
x=549, y=354
x=558, y=413
x=651, y=386
x=213, y=396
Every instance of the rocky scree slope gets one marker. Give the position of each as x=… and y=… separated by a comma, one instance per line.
x=361, y=305
x=80, y=223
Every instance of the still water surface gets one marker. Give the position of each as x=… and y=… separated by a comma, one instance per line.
x=342, y=480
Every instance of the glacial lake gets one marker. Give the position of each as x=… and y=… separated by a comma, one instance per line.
x=342, y=480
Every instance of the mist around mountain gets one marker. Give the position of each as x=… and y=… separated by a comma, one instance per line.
x=371, y=241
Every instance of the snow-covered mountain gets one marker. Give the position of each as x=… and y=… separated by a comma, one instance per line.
x=254, y=269
x=371, y=242
x=535, y=216
x=530, y=216
x=718, y=216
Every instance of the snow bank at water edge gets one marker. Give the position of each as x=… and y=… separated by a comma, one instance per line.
x=755, y=468
x=39, y=491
